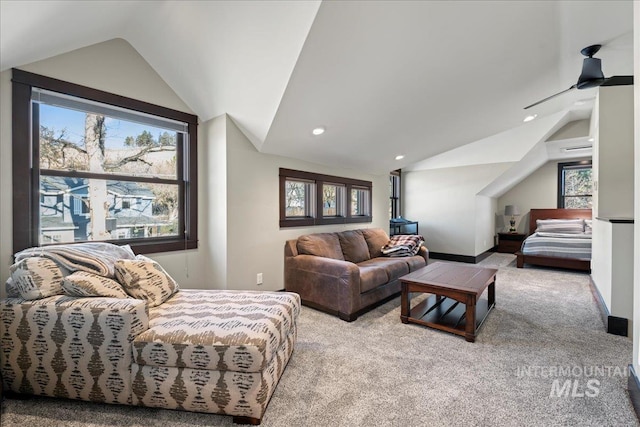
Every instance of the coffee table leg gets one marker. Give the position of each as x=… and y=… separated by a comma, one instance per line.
x=491, y=297
x=404, y=304
x=470, y=319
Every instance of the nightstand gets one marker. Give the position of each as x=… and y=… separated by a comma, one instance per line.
x=510, y=243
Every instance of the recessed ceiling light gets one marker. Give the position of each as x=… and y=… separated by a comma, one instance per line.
x=529, y=118
x=584, y=147
x=399, y=157
x=318, y=131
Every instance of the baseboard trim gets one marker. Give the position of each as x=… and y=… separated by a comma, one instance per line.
x=602, y=307
x=613, y=324
x=618, y=326
x=461, y=258
x=633, y=386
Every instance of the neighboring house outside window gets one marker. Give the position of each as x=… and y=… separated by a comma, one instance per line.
x=575, y=185
x=105, y=168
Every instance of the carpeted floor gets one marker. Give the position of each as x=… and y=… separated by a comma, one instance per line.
x=544, y=331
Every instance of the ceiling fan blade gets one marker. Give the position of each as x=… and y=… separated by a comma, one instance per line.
x=618, y=81
x=549, y=97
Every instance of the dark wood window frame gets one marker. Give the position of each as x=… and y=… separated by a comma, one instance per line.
x=395, y=196
x=26, y=173
x=582, y=164
x=319, y=180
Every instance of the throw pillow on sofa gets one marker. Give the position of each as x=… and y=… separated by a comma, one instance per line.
x=145, y=279
x=36, y=277
x=85, y=284
x=354, y=247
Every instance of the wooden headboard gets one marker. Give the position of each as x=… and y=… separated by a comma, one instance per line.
x=536, y=214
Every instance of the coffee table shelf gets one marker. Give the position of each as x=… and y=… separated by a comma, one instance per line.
x=448, y=315
x=457, y=304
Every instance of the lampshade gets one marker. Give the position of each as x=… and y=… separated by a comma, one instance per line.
x=511, y=210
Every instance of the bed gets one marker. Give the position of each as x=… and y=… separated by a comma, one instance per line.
x=556, y=250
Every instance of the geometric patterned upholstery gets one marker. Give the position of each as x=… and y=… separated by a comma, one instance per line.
x=85, y=284
x=222, y=330
x=78, y=348
x=143, y=278
x=36, y=277
x=206, y=351
x=215, y=351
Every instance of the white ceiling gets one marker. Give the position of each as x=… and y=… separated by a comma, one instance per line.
x=384, y=78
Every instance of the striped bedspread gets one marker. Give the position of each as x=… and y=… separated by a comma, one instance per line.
x=576, y=246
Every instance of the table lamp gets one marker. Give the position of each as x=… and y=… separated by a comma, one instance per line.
x=512, y=211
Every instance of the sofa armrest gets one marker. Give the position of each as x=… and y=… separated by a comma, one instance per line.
x=82, y=344
x=424, y=253
x=327, y=282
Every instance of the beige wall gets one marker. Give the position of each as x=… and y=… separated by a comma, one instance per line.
x=238, y=214
x=636, y=279
x=613, y=153
x=6, y=196
x=453, y=218
x=612, y=262
x=255, y=241
x=538, y=191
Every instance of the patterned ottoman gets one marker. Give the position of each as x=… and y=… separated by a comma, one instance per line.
x=215, y=351
x=211, y=351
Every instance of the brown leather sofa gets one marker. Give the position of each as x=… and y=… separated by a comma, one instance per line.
x=345, y=273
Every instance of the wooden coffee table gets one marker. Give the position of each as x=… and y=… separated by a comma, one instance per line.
x=456, y=290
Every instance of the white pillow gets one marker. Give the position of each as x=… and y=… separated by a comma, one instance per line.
x=85, y=284
x=145, y=279
x=565, y=226
x=36, y=277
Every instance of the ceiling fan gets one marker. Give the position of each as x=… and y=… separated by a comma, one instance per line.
x=591, y=75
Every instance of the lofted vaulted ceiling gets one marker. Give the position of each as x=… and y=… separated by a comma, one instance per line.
x=383, y=77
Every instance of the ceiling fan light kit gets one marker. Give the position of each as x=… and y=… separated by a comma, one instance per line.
x=591, y=75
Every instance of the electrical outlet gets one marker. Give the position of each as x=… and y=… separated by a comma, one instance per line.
x=259, y=279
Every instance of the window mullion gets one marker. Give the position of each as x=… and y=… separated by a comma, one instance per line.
x=108, y=177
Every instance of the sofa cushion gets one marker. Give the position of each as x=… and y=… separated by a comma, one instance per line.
x=414, y=262
x=85, y=284
x=354, y=247
x=237, y=331
x=371, y=276
x=321, y=244
x=395, y=267
x=36, y=277
x=376, y=238
x=145, y=279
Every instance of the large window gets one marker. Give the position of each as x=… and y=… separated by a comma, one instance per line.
x=312, y=199
x=575, y=185
x=93, y=166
